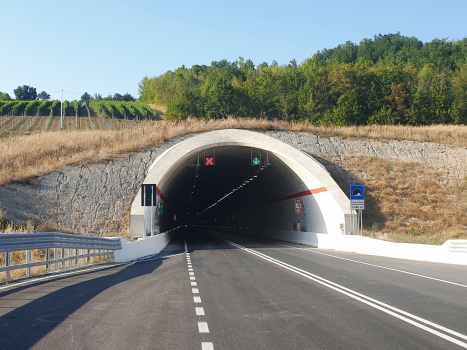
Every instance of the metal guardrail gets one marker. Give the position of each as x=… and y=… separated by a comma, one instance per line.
x=66, y=248
x=457, y=245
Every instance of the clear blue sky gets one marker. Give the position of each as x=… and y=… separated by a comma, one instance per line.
x=109, y=46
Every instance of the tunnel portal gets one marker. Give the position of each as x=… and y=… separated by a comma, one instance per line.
x=241, y=180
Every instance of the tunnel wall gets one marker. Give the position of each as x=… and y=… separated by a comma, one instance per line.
x=281, y=216
x=324, y=211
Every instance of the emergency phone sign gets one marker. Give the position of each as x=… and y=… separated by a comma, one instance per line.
x=298, y=205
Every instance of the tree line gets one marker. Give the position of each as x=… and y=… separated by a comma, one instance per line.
x=389, y=79
x=29, y=93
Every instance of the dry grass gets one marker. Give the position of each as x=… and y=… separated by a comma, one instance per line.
x=160, y=109
x=25, y=157
x=407, y=202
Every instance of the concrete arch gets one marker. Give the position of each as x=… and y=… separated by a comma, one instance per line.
x=326, y=207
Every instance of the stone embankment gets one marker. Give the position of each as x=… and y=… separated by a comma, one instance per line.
x=95, y=199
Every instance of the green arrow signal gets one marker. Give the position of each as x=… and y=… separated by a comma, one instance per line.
x=256, y=160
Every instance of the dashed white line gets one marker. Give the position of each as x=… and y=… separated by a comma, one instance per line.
x=191, y=273
x=195, y=290
x=203, y=327
x=194, y=284
x=192, y=278
x=200, y=311
x=190, y=270
x=207, y=346
x=197, y=299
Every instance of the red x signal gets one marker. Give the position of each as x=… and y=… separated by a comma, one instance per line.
x=209, y=161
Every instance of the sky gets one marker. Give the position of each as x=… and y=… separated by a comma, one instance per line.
x=106, y=47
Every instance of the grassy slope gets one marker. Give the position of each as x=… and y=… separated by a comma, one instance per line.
x=411, y=202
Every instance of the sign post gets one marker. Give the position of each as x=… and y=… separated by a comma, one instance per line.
x=148, y=199
x=357, y=202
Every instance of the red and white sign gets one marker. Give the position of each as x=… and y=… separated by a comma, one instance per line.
x=298, y=205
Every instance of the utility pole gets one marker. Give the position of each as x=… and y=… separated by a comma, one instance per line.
x=61, y=113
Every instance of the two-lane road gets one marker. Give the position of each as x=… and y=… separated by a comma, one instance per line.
x=239, y=292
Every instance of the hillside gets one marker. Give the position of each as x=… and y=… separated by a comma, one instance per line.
x=415, y=176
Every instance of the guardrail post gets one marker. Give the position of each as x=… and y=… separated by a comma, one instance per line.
x=63, y=256
x=47, y=258
x=56, y=258
x=88, y=258
x=83, y=260
x=76, y=260
x=70, y=262
x=28, y=260
x=7, y=263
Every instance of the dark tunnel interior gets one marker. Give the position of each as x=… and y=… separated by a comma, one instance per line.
x=227, y=186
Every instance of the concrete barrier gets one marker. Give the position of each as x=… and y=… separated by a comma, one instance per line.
x=451, y=252
x=143, y=247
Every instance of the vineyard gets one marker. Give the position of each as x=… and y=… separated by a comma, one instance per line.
x=26, y=117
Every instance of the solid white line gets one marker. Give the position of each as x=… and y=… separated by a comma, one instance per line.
x=195, y=290
x=203, y=327
x=194, y=284
x=197, y=299
x=192, y=278
x=373, y=265
x=199, y=311
x=58, y=275
x=360, y=297
x=207, y=346
x=191, y=273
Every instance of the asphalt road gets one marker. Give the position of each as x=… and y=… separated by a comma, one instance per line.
x=240, y=292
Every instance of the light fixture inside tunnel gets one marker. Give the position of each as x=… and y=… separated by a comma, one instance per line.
x=233, y=190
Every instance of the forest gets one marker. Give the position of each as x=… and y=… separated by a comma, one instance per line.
x=389, y=79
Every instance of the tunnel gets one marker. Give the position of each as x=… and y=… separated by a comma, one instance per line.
x=240, y=180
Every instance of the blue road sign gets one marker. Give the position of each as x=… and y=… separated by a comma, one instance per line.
x=357, y=192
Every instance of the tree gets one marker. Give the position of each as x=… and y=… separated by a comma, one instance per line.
x=44, y=96
x=128, y=97
x=4, y=96
x=25, y=93
x=86, y=98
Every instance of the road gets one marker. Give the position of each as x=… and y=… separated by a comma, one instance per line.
x=240, y=292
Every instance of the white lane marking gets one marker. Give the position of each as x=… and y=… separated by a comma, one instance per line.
x=191, y=270
x=207, y=346
x=190, y=266
x=195, y=290
x=194, y=284
x=203, y=327
x=373, y=265
x=191, y=273
x=58, y=275
x=197, y=299
x=192, y=278
x=360, y=297
x=199, y=311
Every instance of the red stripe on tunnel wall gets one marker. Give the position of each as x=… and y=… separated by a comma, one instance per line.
x=161, y=195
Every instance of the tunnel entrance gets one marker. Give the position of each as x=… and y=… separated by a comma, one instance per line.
x=241, y=180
